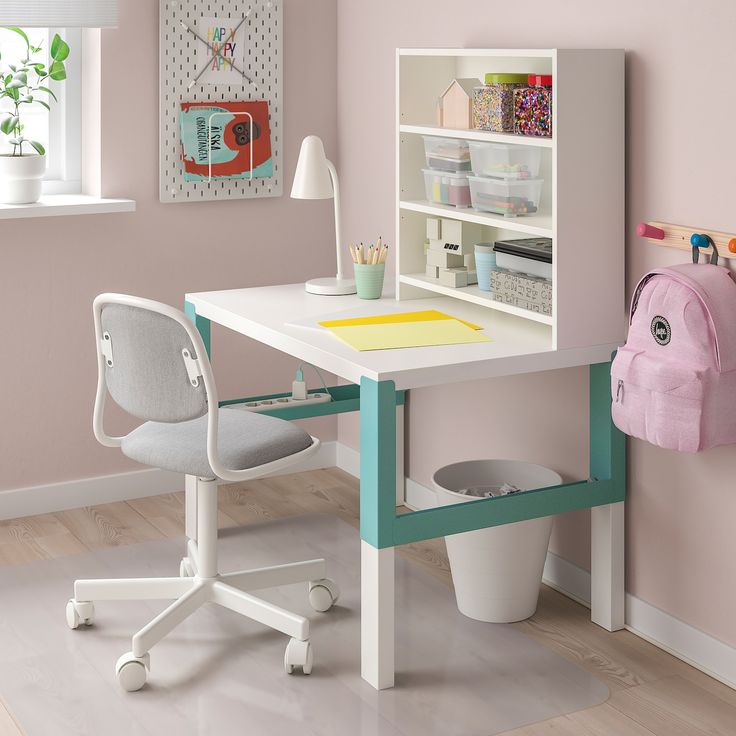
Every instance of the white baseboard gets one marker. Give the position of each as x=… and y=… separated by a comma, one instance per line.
x=419, y=496
x=568, y=579
x=74, y=494
x=691, y=645
x=701, y=650
x=347, y=459
x=698, y=649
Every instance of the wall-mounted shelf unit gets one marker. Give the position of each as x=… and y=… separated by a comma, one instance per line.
x=582, y=203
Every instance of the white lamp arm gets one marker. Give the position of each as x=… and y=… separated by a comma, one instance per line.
x=336, y=189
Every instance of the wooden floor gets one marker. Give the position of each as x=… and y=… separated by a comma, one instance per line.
x=651, y=691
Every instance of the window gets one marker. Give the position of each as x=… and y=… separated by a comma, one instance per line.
x=60, y=129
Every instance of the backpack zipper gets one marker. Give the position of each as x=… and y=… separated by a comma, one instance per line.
x=619, y=389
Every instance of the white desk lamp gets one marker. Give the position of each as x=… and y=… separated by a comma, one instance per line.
x=316, y=178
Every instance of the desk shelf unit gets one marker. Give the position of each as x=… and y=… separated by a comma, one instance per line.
x=582, y=205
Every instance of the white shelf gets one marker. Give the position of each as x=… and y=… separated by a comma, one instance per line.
x=482, y=53
x=471, y=294
x=539, y=225
x=54, y=205
x=477, y=135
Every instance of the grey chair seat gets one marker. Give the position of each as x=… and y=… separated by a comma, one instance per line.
x=245, y=440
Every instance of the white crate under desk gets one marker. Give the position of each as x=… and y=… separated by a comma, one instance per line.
x=582, y=206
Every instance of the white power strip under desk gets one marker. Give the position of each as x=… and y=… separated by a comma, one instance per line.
x=284, y=402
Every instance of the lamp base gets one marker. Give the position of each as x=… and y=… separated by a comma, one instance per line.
x=331, y=286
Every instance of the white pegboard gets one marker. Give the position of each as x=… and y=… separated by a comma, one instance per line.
x=178, y=62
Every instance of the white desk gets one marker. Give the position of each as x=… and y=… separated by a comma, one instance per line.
x=264, y=314
x=518, y=346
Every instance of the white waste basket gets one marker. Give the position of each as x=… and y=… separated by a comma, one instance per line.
x=496, y=571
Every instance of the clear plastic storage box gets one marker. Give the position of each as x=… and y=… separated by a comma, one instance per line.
x=446, y=154
x=447, y=187
x=508, y=197
x=504, y=161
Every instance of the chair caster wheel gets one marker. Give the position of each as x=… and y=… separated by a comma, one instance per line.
x=132, y=671
x=186, y=569
x=323, y=594
x=79, y=612
x=298, y=654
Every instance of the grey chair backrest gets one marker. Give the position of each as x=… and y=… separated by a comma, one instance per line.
x=145, y=355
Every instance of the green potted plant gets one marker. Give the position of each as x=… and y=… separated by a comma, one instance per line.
x=24, y=83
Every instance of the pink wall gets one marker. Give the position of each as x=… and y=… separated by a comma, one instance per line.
x=681, y=548
x=51, y=269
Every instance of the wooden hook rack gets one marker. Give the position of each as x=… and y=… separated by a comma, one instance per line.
x=678, y=236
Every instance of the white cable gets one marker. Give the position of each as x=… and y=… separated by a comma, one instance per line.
x=321, y=377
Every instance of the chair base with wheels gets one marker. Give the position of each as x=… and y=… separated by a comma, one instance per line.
x=198, y=583
x=207, y=444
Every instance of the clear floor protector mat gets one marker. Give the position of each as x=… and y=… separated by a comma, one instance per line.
x=220, y=674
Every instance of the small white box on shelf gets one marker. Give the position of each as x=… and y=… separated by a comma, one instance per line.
x=446, y=246
x=444, y=260
x=452, y=230
x=472, y=276
x=434, y=228
x=433, y=272
x=455, y=277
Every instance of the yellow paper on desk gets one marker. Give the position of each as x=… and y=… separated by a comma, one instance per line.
x=427, y=315
x=408, y=335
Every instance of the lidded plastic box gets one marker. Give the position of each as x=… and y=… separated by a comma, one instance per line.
x=527, y=255
x=446, y=154
x=533, y=107
x=493, y=103
x=508, y=197
x=447, y=187
x=505, y=161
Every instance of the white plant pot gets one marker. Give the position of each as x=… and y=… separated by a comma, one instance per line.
x=20, y=178
x=496, y=571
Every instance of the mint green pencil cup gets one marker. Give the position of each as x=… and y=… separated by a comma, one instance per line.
x=369, y=280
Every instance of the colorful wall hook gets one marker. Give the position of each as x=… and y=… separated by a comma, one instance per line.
x=681, y=237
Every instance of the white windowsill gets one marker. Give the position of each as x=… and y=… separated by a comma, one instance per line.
x=53, y=205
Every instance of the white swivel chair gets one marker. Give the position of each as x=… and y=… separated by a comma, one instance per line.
x=153, y=363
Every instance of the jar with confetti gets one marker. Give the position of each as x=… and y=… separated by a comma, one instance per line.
x=533, y=107
x=493, y=103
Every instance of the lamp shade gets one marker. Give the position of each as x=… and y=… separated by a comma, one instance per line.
x=312, y=178
x=59, y=13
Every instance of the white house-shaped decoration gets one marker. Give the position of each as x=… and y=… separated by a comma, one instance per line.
x=457, y=104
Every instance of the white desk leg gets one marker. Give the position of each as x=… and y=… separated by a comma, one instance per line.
x=190, y=506
x=377, y=615
x=607, y=591
x=400, y=474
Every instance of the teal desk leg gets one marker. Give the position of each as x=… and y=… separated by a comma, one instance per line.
x=607, y=460
x=202, y=324
x=191, y=482
x=377, y=512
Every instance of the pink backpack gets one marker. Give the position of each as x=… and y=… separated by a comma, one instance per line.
x=674, y=381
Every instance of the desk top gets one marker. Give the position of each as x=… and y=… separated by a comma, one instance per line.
x=266, y=314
